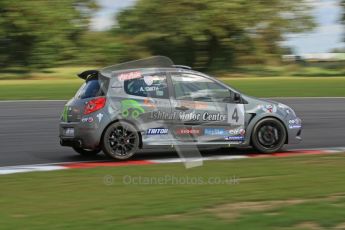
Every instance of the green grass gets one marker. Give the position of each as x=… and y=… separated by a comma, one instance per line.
x=272, y=193
x=290, y=86
x=311, y=70
x=38, y=89
x=260, y=81
x=260, y=87
x=67, y=72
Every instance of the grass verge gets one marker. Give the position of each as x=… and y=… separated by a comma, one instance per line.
x=272, y=193
x=259, y=87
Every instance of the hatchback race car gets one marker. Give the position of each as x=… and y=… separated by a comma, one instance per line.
x=153, y=103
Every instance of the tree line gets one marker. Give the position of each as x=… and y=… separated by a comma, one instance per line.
x=204, y=34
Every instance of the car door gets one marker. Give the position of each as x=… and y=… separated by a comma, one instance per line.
x=205, y=110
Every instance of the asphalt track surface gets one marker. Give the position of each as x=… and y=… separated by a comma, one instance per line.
x=29, y=131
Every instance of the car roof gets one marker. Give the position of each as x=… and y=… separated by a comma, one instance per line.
x=151, y=64
x=150, y=70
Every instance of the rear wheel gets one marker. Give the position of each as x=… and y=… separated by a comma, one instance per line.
x=120, y=141
x=268, y=135
x=86, y=152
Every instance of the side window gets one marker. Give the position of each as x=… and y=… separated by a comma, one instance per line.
x=198, y=88
x=154, y=86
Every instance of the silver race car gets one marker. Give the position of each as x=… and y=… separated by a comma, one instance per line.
x=152, y=102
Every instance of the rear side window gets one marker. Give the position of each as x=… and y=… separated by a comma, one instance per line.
x=154, y=86
x=91, y=88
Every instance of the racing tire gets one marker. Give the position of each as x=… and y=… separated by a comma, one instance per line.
x=120, y=141
x=86, y=152
x=269, y=135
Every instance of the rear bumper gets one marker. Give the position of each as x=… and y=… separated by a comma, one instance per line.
x=85, y=136
x=71, y=142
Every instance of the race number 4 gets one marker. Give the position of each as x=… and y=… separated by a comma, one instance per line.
x=236, y=114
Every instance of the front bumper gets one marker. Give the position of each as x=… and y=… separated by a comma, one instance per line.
x=295, y=131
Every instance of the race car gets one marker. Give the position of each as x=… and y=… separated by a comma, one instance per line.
x=153, y=103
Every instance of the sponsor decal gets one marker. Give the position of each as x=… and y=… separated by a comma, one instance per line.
x=188, y=116
x=87, y=119
x=148, y=80
x=194, y=104
x=215, y=131
x=187, y=131
x=295, y=123
x=131, y=109
x=235, y=132
x=235, y=114
x=268, y=108
x=161, y=115
x=99, y=116
x=149, y=103
x=129, y=76
x=214, y=117
x=191, y=116
x=64, y=114
x=149, y=89
x=157, y=131
x=234, y=138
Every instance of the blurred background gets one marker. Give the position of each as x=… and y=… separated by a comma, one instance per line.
x=53, y=40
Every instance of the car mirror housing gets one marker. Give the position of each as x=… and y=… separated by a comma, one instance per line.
x=237, y=97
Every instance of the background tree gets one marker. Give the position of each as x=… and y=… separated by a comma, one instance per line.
x=39, y=33
x=212, y=34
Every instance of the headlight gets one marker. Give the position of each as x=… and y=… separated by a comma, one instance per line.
x=287, y=109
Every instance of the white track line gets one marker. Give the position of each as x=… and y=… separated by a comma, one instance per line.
x=32, y=168
x=55, y=163
x=8, y=101
x=323, y=148
x=60, y=165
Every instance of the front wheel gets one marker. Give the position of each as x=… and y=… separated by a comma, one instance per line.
x=86, y=152
x=268, y=135
x=120, y=141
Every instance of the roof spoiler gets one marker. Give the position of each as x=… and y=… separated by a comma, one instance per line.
x=88, y=73
x=182, y=66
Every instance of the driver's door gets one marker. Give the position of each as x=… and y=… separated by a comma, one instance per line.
x=205, y=110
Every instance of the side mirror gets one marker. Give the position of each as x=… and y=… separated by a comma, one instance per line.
x=237, y=98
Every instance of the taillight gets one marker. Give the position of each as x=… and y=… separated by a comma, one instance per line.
x=94, y=105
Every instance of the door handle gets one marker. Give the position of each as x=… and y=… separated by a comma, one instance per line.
x=183, y=108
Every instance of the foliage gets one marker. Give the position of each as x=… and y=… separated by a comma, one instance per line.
x=201, y=33
x=205, y=33
x=39, y=33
